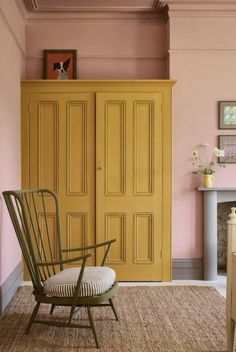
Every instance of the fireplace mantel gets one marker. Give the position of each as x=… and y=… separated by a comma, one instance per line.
x=212, y=196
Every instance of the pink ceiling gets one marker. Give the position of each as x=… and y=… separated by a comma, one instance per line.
x=92, y=5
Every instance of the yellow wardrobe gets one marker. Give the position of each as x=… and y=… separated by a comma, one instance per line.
x=105, y=148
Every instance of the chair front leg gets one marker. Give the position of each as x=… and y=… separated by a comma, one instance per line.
x=92, y=324
x=113, y=308
x=32, y=318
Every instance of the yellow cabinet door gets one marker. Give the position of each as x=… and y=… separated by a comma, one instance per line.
x=125, y=192
x=61, y=158
x=129, y=182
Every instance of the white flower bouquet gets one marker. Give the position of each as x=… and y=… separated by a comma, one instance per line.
x=204, y=166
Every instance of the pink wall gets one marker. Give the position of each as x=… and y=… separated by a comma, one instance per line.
x=107, y=49
x=12, y=61
x=202, y=59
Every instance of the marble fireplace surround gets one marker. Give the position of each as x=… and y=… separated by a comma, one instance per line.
x=211, y=197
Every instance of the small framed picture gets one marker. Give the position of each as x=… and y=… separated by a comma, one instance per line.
x=60, y=64
x=228, y=143
x=227, y=115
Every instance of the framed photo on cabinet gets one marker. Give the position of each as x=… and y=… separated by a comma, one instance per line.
x=228, y=143
x=60, y=64
x=227, y=115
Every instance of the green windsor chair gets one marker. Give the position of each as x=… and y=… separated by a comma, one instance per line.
x=43, y=254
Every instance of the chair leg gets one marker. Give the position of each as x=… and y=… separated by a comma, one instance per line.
x=52, y=308
x=93, y=326
x=32, y=318
x=72, y=310
x=113, y=308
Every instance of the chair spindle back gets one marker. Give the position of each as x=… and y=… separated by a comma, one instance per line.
x=32, y=212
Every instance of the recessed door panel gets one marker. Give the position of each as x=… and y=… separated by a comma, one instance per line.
x=77, y=231
x=76, y=128
x=47, y=146
x=143, y=238
x=114, y=147
x=143, y=147
x=115, y=226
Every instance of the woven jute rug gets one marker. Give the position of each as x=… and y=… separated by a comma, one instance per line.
x=166, y=319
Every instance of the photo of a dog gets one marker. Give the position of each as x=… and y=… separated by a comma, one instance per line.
x=61, y=68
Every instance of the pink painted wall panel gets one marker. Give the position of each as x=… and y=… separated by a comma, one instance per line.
x=204, y=77
x=105, y=50
x=13, y=21
x=99, y=38
x=12, y=60
x=204, y=33
x=122, y=69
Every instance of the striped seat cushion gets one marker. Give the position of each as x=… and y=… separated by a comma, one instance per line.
x=96, y=280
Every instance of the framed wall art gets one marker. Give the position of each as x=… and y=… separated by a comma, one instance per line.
x=60, y=64
x=227, y=114
x=228, y=143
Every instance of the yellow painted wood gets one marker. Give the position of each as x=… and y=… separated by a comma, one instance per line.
x=133, y=170
x=129, y=184
x=60, y=156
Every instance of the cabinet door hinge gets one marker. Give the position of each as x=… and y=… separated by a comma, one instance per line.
x=29, y=108
x=161, y=253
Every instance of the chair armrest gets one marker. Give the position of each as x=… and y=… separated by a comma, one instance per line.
x=58, y=262
x=89, y=247
x=95, y=246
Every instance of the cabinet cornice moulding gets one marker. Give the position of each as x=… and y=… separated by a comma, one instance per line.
x=95, y=82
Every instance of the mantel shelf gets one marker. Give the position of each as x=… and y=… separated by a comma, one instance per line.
x=224, y=189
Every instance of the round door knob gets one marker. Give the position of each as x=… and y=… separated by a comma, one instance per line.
x=100, y=167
